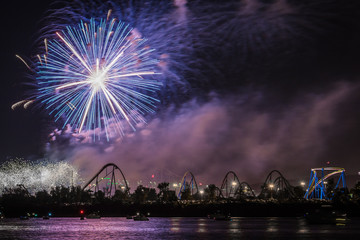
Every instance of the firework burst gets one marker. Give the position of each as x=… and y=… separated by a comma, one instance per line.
x=98, y=75
x=37, y=176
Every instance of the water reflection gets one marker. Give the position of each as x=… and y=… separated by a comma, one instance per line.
x=234, y=226
x=202, y=223
x=303, y=227
x=174, y=228
x=272, y=225
x=175, y=225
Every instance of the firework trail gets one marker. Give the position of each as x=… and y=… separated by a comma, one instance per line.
x=96, y=74
x=24, y=103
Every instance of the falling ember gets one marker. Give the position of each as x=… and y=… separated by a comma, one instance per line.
x=98, y=74
x=39, y=59
x=28, y=103
x=23, y=61
x=25, y=103
x=108, y=15
x=46, y=45
x=17, y=104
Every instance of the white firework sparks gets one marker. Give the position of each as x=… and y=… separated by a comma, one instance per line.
x=37, y=176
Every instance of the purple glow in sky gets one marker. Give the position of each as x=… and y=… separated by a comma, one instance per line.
x=249, y=86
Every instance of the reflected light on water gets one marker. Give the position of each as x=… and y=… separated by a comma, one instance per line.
x=303, y=230
x=175, y=225
x=234, y=226
x=174, y=228
x=271, y=229
x=272, y=225
x=202, y=223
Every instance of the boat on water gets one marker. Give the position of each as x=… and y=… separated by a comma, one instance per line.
x=93, y=216
x=140, y=217
x=222, y=217
x=326, y=214
x=129, y=217
x=218, y=216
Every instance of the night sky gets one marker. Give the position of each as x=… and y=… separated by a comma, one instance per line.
x=271, y=85
x=21, y=130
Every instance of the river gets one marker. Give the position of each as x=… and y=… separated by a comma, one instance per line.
x=175, y=228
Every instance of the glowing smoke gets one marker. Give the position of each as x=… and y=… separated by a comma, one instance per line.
x=235, y=133
x=202, y=48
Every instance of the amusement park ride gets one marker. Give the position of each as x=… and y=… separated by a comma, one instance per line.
x=317, y=183
x=110, y=178
x=188, y=184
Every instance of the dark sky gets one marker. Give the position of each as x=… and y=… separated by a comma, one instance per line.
x=264, y=86
x=21, y=130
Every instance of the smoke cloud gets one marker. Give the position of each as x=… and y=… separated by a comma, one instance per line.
x=238, y=133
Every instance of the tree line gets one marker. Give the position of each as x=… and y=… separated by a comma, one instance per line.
x=19, y=198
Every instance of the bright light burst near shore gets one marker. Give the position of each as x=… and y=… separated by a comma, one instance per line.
x=98, y=75
x=37, y=176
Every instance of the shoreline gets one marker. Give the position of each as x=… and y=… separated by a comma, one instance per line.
x=177, y=209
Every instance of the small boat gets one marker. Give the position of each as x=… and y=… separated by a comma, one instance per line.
x=129, y=217
x=82, y=218
x=222, y=217
x=93, y=216
x=325, y=214
x=140, y=217
x=24, y=218
x=219, y=216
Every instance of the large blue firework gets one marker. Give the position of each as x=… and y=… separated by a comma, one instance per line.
x=98, y=75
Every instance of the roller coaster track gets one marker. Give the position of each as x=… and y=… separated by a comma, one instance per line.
x=317, y=183
x=109, y=177
x=245, y=190
x=231, y=187
x=276, y=185
x=192, y=184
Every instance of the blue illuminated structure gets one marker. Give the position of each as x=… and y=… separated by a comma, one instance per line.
x=317, y=183
x=192, y=184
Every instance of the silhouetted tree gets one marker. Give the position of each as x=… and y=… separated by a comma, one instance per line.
x=355, y=191
x=43, y=197
x=56, y=195
x=163, y=188
x=210, y=192
x=120, y=196
x=143, y=194
x=186, y=193
x=151, y=194
x=165, y=194
x=299, y=192
x=100, y=196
